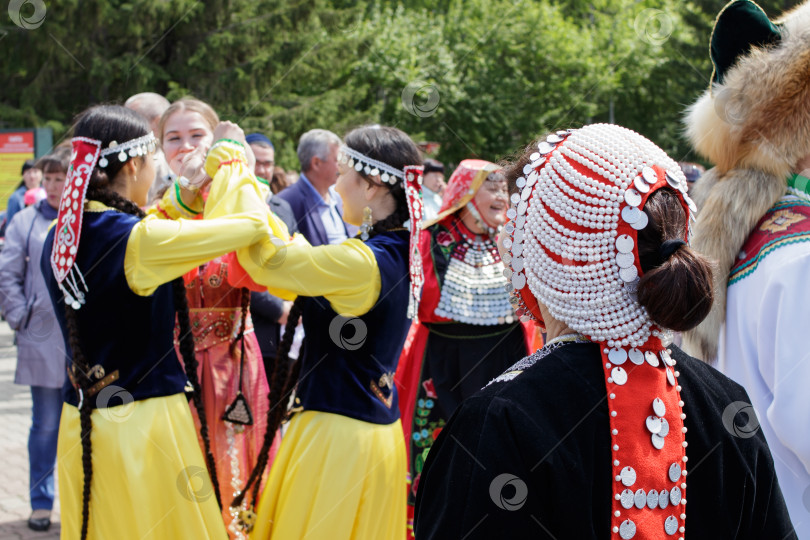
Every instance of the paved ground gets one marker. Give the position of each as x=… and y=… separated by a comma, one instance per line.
x=15, y=420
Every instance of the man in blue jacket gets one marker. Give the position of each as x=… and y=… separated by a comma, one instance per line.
x=315, y=204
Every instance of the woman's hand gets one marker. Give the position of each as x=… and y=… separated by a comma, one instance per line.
x=229, y=130
x=192, y=170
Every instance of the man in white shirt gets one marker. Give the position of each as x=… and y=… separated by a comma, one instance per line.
x=754, y=220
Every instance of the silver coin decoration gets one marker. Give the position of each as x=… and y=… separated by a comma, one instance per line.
x=624, y=244
x=554, y=139
x=544, y=148
x=617, y=356
x=527, y=168
x=649, y=175
x=627, y=499
x=625, y=260
x=640, y=499
x=628, y=476
x=518, y=281
x=641, y=185
x=631, y=214
x=619, y=375
x=651, y=358
x=664, y=428
x=675, y=496
x=690, y=203
x=522, y=206
x=671, y=525
x=670, y=377
x=652, y=499
x=535, y=156
x=627, y=530
x=632, y=197
x=658, y=407
x=657, y=441
x=628, y=274
x=674, y=472
x=521, y=182
x=515, y=198
x=666, y=358
x=641, y=223
x=672, y=181
x=663, y=499
x=636, y=356
x=654, y=425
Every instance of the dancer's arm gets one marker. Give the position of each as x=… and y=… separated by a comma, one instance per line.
x=159, y=250
x=346, y=274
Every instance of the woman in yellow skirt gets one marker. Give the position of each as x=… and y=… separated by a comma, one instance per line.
x=340, y=471
x=129, y=462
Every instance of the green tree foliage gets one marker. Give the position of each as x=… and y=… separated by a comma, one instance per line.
x=482, y=77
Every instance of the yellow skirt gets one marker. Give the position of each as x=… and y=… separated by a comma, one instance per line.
x=149, y=476
x=335, y=478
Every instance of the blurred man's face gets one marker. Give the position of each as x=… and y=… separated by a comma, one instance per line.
x=265, y=161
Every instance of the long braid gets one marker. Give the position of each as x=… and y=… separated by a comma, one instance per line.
x=81, y=377
x=245, y=309
x=281, y=385
x=190, y=364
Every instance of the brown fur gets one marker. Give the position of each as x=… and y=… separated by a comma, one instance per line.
x=755, y=128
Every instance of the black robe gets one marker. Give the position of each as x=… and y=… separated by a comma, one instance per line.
x=549, y=427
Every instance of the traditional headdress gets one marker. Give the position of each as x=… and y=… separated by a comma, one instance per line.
x=753, y=120
x=86, y=154
x=573, y=246
x=464, y=183
x=411, y=179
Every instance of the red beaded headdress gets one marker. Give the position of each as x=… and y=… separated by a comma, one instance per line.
x=573, y=246
x=86, y=154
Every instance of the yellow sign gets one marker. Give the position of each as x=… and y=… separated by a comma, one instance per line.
x=15, y=148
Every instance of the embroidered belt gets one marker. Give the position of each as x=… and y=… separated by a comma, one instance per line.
x=98, y=372
x=212, y=327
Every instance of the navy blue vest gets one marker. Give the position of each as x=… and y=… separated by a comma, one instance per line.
x=129, y=336
x=349, y=363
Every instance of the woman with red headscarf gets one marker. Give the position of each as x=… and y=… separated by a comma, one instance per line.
x=467, y=332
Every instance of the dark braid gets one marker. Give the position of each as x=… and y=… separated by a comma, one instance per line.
x=80, y=375
x=282, y=381
x=245, y=307
x=190, y=364
x=114, y=200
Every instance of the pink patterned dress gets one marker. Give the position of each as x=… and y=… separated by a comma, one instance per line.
x=215, y=314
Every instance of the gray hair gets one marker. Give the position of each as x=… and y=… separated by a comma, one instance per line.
x=315, y=143
x=149, y=104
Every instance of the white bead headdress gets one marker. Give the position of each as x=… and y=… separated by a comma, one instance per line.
x=370, y=166
x=574, y=228
x=134, y=148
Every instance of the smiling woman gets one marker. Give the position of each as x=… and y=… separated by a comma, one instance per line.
x=467, y=332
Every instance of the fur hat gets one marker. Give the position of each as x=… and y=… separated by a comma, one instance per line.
x=753, y=123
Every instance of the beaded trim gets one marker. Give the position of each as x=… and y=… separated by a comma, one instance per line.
x=370, y=166
x=525, y=363
x=130, y=149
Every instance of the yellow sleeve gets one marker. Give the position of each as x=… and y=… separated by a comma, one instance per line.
x=346, y=274
x=160, y=250
x=171, y=205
